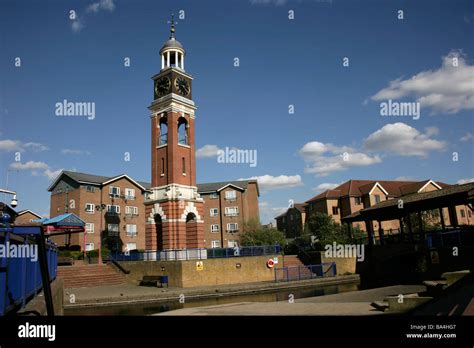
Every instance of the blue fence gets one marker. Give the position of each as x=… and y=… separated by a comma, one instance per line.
x=291, y=273
x=20, y=275
x=196, y=254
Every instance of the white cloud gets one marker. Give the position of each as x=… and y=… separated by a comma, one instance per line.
x=16, y=145
x=208, y=151
x=36, y=168
x=465, y=181
x=106, y=5
x=468, y=136
x=324, y=159
x=270, y=182
x=10, y=145
x=30, y=165
x=74, y=152
x=405, y=178
x=402, y=139
x=52, y=174
x=448, y=90
x=325, y=186
x=268, y=2
x=77, y=25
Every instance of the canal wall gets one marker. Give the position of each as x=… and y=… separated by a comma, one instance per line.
x=37, y=305
x=193, y=273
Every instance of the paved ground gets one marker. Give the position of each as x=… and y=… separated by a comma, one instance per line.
x=129, y=293
x=348, y=303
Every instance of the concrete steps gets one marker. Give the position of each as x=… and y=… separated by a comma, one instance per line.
x=83, y=276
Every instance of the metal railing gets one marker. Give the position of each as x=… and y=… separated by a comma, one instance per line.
x=195, y=254
x=20, y=276
x=293, y=273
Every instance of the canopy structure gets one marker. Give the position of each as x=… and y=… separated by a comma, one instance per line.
x=62, y=224
x=402, y=207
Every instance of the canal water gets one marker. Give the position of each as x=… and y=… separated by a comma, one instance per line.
x=152, y=308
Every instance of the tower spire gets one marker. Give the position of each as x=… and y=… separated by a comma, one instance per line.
x=172, y=29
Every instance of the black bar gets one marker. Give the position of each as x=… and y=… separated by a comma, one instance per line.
x=45, y=272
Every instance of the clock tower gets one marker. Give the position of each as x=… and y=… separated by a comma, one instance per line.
x=174, y=209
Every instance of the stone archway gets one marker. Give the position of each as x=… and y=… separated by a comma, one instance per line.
x=191, y=231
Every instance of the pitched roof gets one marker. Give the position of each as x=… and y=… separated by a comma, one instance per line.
x=28, y=211
x=360, y=187
x=217, y=186
x=85, y=178
x=300, y=207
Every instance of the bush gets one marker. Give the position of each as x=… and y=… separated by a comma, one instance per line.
x=64, y=253
x=95, y=253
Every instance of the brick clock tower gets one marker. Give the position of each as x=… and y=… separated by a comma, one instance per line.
x=174, y=210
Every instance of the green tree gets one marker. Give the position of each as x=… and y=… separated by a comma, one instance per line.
x=253, y=233
x=326, y=230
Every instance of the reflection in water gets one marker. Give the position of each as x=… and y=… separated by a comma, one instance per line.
x=151, y=308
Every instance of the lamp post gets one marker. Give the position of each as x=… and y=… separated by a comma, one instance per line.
x=14, y=201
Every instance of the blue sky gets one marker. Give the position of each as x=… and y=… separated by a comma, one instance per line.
x=283, y=62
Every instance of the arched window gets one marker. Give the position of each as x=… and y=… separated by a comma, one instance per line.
x=182, y=131
x=163, y=138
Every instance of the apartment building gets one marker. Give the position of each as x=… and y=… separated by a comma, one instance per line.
x=111, y=206
x=355, y=195
x=227, y=205
x=116, y=206
x=292, y=221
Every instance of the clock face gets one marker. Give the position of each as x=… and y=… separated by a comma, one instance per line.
x=182, y=86
x=162, y=86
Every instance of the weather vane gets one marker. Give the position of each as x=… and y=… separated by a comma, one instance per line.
x=172, y=29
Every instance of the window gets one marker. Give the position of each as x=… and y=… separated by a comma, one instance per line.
x=232, y=243
x=358, y=200
x=463, y=214
x=90, y=208
x=231, y=195
x=335, y=211
x=214, y=212
x=163, y=137
x=90, y=188
x=291, y=217
x=182, y=131
x=231, y=211
x=113, y=209
x=377, y=199
x=114, y=191
x=131, y=246
x=213, y=195
x=184, y=166
x=162, y=166
x=129, y=193
x=131, y=211
x=89, y=228
x=232, y=227
x=214, y=228
x=89, y=246
x=215, y=244
x=131, y=230
x=113, y=229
